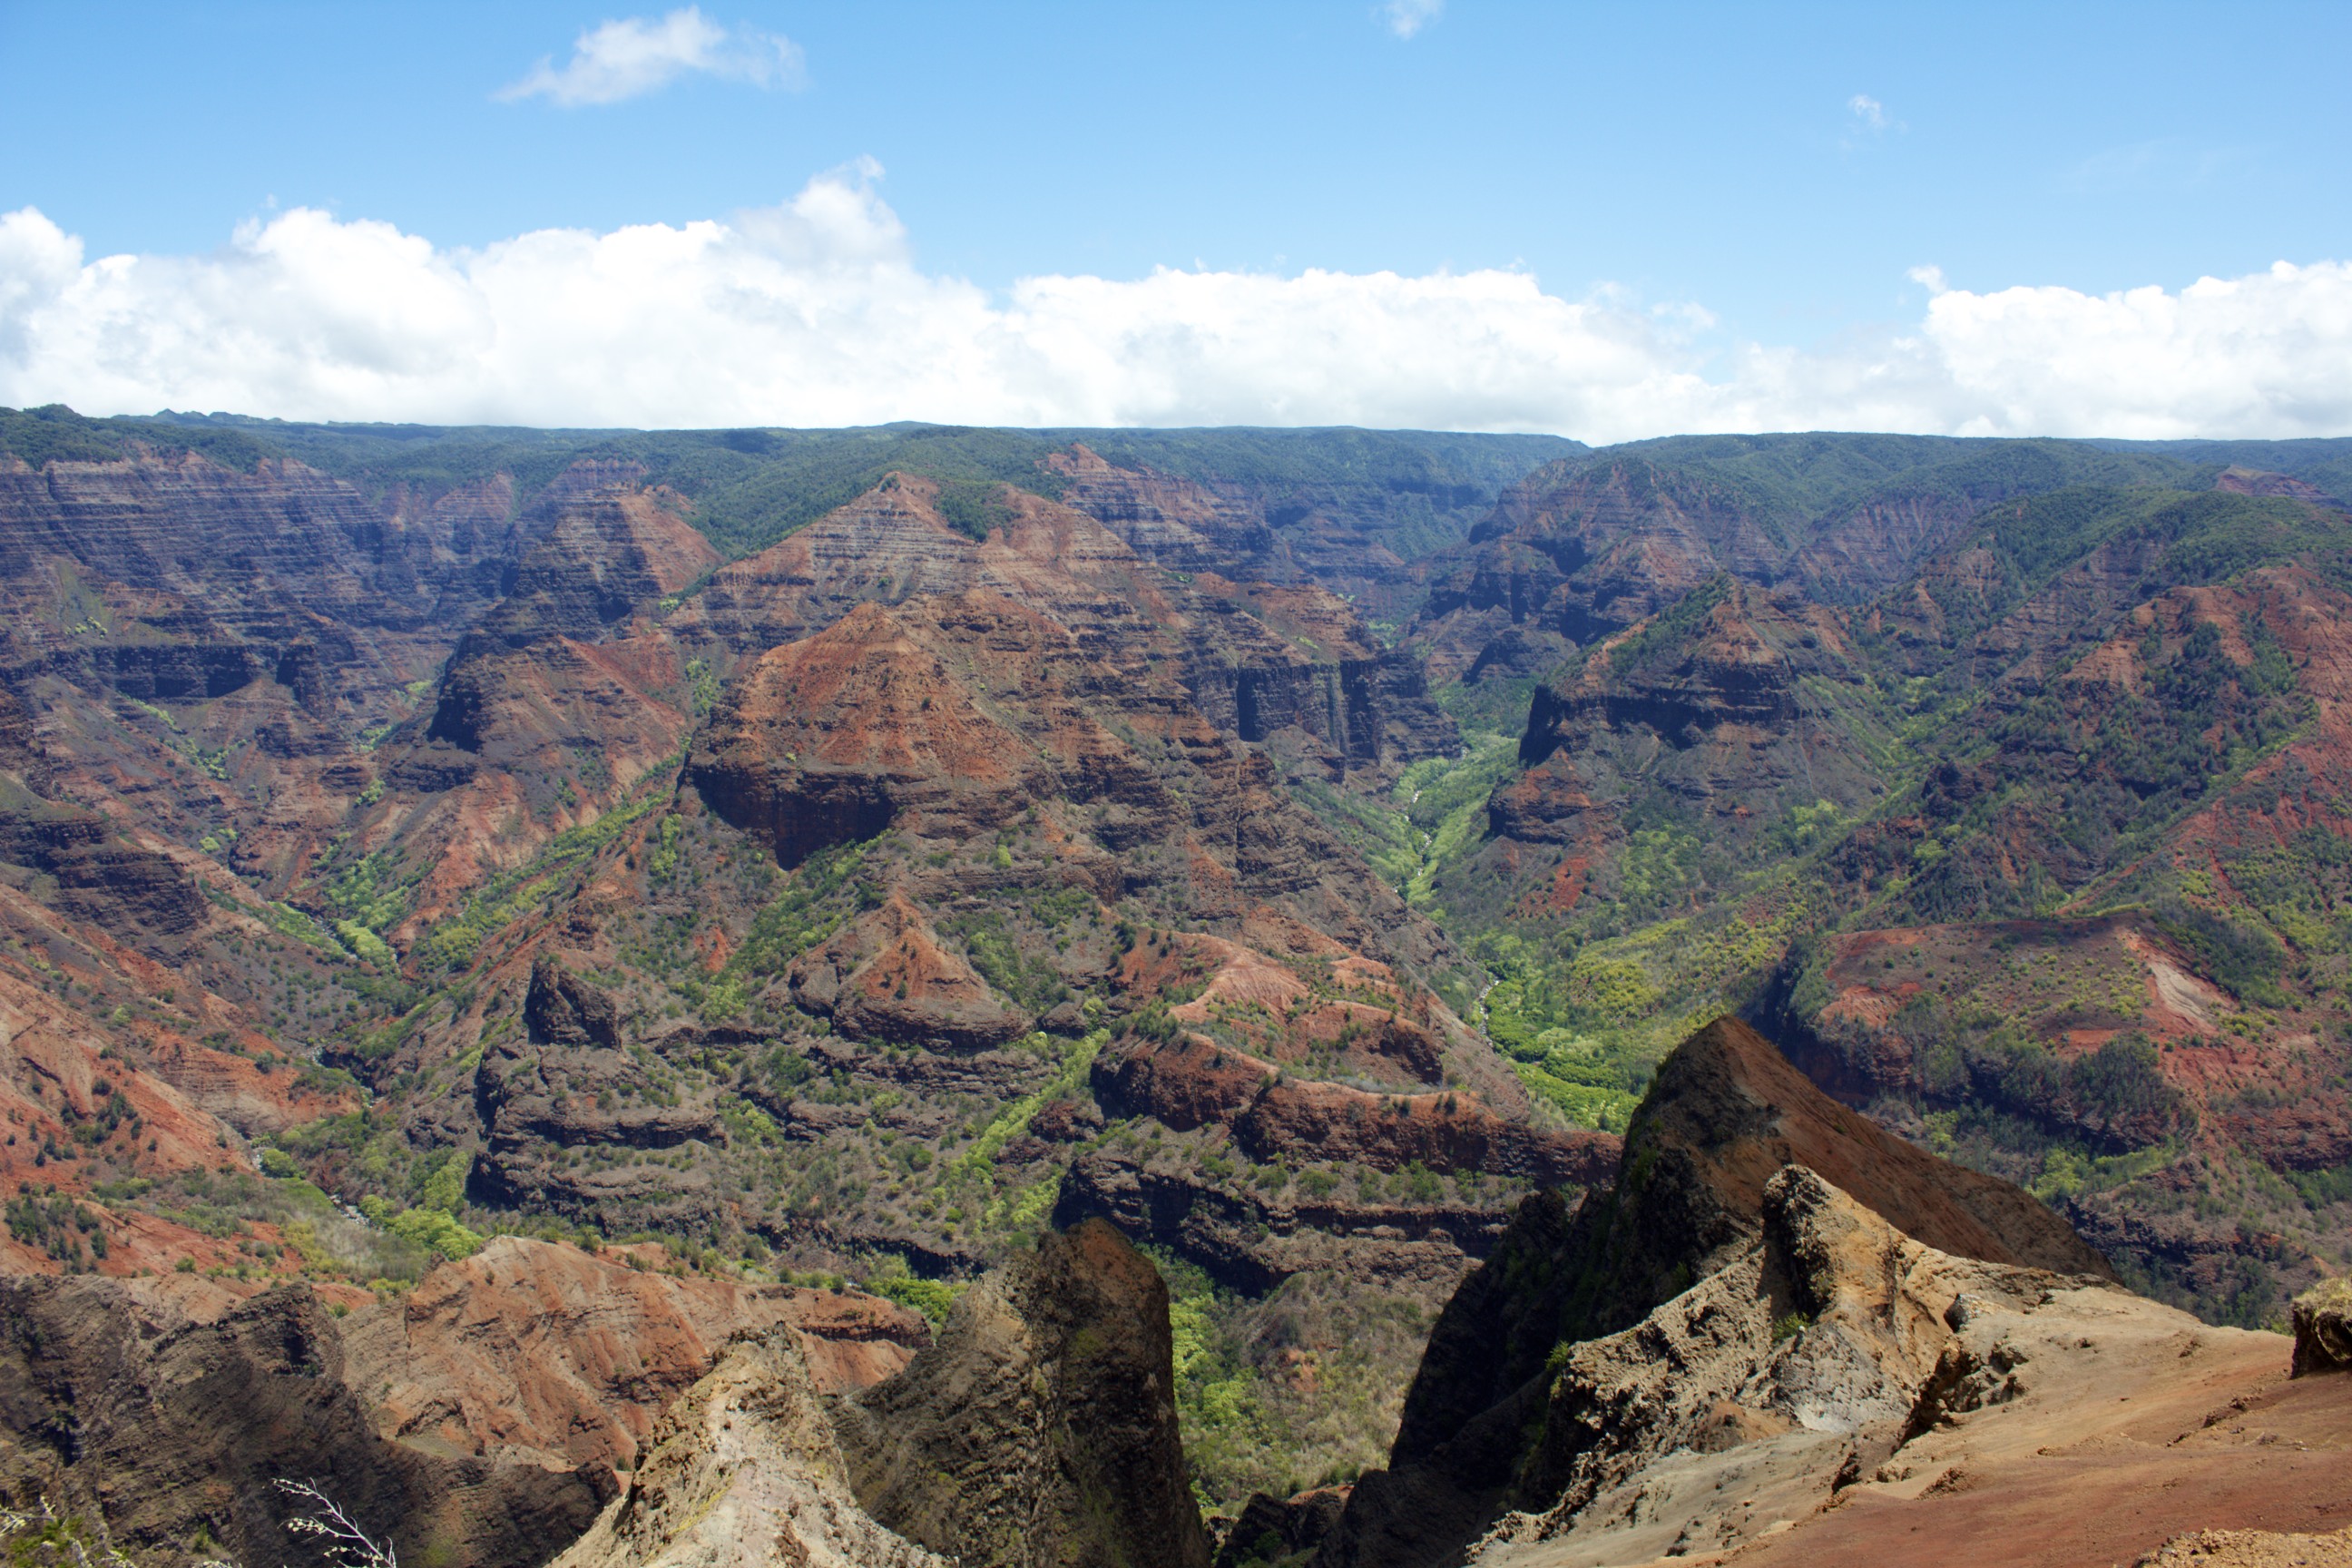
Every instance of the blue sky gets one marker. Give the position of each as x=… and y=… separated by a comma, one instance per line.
x=1742, y=179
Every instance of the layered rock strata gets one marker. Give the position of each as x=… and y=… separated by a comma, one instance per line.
x=1256, y=660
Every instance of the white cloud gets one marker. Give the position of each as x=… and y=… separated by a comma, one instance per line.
x=2266, y=354
x=627, y=59
x=1406, y=18
x=814, y=313
x=1868, y=111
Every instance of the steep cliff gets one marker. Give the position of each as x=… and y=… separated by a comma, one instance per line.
x=1163, y=518
x=1255, y=660
x=1040, y=1428
x=956, y=718
x=1731, y=712
x=1726, y=1114
x=1579, y=549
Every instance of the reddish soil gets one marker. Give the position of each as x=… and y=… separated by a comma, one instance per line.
x=2237, y=1447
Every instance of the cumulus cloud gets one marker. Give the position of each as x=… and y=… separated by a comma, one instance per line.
x=815, y=313
x=1406, y=18
x=1868, y=111
x=628, y=58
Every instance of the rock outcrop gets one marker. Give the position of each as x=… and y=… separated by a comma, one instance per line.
x=132, y=892
x=1579, y=549
x=961, y=717
x=246, y=546
x=743, y=1470
x=1742, y=716
x=2323, y=1328
x=1257, y=660
x=887, y=977
x=2253, y=1549
x=610, y=548
x=571, y=1080
x=1585, y=546
x=1251, y=1241
x=1923, y=1397
x=1358, y=530
x=1270, y=1528
x=1192, y=1082
x=1726, y=1115
x=563, y=1009
x=1725, y=1111
x=1040, y=1427
x=1161, y=517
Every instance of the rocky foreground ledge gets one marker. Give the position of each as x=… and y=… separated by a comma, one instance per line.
x=1039, y=1429
x=1779, y=1337
x=481, y=1419
x=1785, y=1337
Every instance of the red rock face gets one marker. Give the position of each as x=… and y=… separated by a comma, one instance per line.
x=89, y=1098
x=184, y=1422
x=949, y=718
x=410, y=717
x=1356, y=1016
x=1358, y=536
x=1042, y=1426
x=2082, y=981
x=288, y=536
x=1192, y=1082
x=889, y=545
x=2256, y=482
x=1587, y=546
x=202, y=644
x=1255, y=660
x=1738, y=712
x=887, y=977
x=558, y=703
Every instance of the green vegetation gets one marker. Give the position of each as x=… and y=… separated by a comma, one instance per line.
x=34, y=1534
x=56, y=434
x=429, y=1229
x=371, y=893
x=67, y=1231
x=364, y=943
x=932, y=1297
x=751, y=488
x=990, y=943
x=805, y=913
x=1922, y=784
x=454, y=940
x=1302, y=1388
x=974, y=506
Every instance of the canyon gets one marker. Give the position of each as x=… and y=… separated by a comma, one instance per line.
x=536, y=946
